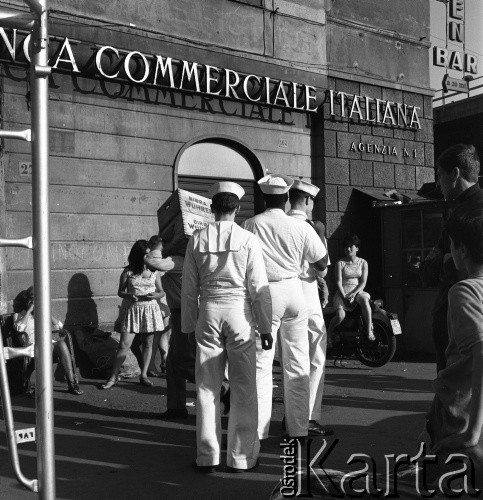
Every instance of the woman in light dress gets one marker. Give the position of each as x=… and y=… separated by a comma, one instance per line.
x=142, y=288
x=351, y=279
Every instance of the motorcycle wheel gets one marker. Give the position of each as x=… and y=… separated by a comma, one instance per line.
x=379, y=352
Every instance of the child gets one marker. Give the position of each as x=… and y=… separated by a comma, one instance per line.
x=143, y=316
x=456, y=415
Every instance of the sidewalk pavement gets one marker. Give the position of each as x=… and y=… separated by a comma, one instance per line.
x=109, y=444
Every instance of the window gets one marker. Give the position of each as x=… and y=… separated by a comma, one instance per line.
x=203, y=163
x=212, y=159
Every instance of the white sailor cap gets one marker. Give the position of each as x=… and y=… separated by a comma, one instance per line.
x=227, y=187
x=275, y=184
x=306, y=187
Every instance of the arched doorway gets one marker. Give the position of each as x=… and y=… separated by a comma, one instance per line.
x=207, y=160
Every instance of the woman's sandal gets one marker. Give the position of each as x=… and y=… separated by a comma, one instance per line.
x=145, y=381
x=110, y=383
x=74, y=388
x=371, y=337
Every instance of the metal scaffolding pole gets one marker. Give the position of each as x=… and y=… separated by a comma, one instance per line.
x=40, y=72
x=40, y=242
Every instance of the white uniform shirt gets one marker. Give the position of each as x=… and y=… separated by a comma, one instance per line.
x=286, y=243
x=224, y=262
x=307, y=270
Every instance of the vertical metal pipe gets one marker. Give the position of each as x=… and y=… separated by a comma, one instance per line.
x=31, y=484
x=41, y=243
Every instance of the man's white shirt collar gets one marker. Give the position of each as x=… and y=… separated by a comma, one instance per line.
x=300, y=214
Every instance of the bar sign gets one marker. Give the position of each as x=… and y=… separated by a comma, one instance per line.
x=25, y=435
x=454, y=84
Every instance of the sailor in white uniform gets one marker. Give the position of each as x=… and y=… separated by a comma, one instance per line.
x=224, y=271
x=286, y=243
x=301, y=195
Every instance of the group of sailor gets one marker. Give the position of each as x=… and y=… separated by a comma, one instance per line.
x=245, y=289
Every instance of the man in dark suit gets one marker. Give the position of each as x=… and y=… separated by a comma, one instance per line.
x=457, y=170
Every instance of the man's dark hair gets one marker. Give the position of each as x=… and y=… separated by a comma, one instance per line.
x=296, y=195
x=465, y=226
x=224, y=203
x=275, y=200
x=351, y=239
x=463, y=156
x=155, y=240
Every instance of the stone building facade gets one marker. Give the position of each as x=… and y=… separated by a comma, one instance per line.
x=125, y=133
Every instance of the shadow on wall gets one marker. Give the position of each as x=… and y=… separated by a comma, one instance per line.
x=81, y=307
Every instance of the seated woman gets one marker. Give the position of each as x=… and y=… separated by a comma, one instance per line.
x=351, y=279
x=23, y=322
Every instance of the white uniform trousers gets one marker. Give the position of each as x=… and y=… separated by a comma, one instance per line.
x=225, y=331
x=317, y=346
x=289, y=319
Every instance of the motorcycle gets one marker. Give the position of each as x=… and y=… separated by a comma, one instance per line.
x=350, y=336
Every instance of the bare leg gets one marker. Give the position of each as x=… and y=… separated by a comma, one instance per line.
x=147, y=342
x=122, y=350
x=62, y=351
x=367, y=315
x=336, y=321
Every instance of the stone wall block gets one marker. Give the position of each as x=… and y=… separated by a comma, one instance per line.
x=411, y=159
x=404, y=133
x=392, y=95
x=412, y=99
x=330, y=143
x=405, y=176
x=338, y=124
x=357, y=128
x=425, y=133
x=382, y=130
x=371, y=148
x=394, y=153
x=337, y=171
x=361, y=173
x=344, y=142
x=331, y=198
x=347, y=86
x=384, y=175
x=371, y=91
x=424, y=175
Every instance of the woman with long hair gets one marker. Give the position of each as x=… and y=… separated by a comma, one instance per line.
x=142, y=288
